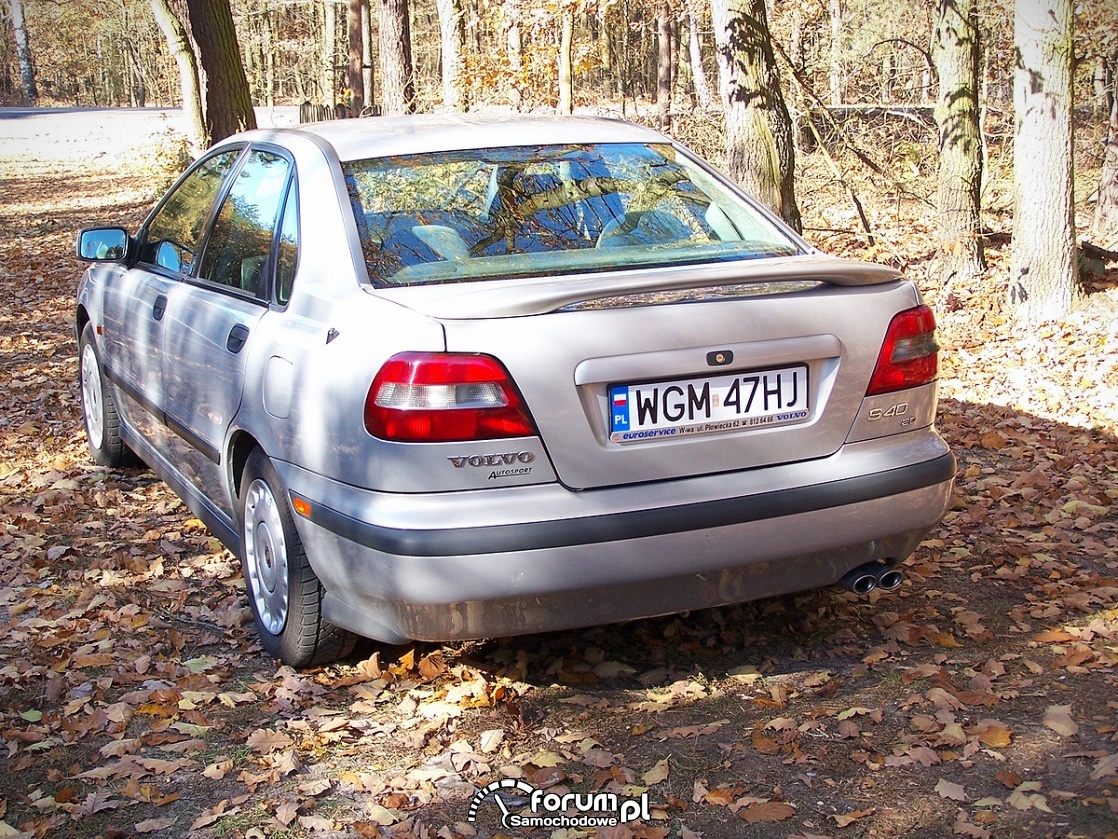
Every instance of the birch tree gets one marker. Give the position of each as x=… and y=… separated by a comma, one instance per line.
x=695, y=54
x=1043, y=269
x=452, y=40
x=178, y=42
x=23, y=52
x=957, y=52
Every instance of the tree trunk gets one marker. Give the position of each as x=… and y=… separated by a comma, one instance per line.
x=673, y=68
x=664, y=63
x=228, y=102
x=836, y=53
x=698, y=74
x=759, y=150
x=367, y=82
x=356, y=55
x=1100, y=82
x=1104, y=228
x=621, y=65
x=269, y=59
x=566, y=74
x=957, y=52
x=510, y=10
x=329, y=30
x=452, y=40
x=473, y=32
x=178, y=42
x=23, y=51
x=136, y=72
x=1043, y=267
x=397, y=76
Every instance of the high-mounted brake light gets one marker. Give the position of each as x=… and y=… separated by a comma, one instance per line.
x=909, y=355
x=421, y=397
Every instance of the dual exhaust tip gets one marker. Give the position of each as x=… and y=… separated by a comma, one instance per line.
x=870, y=575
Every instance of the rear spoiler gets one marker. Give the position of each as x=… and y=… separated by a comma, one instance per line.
x=533, y=295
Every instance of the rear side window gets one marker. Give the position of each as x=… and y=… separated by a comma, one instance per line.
x=240, y=248
x=175, y=232
x=547, y=210
x=287, y=253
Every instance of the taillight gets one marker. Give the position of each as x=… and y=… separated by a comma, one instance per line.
x=421, y=397
x=910, y=355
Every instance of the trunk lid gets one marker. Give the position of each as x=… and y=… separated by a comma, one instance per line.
x=801, y=335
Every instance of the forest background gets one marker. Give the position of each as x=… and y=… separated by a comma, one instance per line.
x=978, y=700
x=775, y=80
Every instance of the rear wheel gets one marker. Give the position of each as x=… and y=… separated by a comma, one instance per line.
x=102, y=421
x=283, y=591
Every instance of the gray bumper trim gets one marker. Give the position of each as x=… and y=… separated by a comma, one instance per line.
x=634, y=524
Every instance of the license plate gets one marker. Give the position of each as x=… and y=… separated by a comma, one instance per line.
x=708, y=405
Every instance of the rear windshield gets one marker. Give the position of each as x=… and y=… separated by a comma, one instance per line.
x=548, y=210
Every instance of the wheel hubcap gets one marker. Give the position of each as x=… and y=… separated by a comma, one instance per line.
x=92, y=397
x=266, y=556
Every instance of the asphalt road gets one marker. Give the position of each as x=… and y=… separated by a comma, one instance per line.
x=74, y=133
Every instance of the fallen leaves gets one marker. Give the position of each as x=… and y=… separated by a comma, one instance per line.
x=847, y=819
x=691, y=731
x=1026, y=796
x=1058, y=718
x=766, y=811
x=1106, y=767
x=950, y=790
x=128, y=677
x=220, y=810
x=265, y=741
x=657, y=773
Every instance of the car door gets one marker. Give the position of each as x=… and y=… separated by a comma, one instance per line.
x=210, y=320
x=135, y=302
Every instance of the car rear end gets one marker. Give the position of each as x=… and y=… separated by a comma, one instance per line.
x=646, y=403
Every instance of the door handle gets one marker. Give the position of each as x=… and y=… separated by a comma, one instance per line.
x=238, y=335
x=159, y=307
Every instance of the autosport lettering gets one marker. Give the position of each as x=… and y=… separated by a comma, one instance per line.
x=508, y=473
x=489, y=460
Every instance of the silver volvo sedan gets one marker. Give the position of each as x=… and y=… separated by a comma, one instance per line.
x=455, y=377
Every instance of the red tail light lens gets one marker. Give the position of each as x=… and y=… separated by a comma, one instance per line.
x=910, y=355
x=442, y=397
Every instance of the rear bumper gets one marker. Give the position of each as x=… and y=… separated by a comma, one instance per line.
x=531, y=559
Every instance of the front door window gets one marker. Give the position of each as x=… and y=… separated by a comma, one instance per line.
x=175, y=232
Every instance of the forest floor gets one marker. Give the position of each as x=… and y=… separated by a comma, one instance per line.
x=980, y=699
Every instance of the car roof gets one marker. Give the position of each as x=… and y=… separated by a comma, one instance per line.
x=356, y=139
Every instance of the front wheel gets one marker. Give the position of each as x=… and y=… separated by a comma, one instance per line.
x=283, y=590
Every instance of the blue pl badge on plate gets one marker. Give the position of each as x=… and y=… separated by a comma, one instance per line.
x=619, y=408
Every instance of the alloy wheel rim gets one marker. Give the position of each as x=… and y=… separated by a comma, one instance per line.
x=92, y=397
x=266, y=556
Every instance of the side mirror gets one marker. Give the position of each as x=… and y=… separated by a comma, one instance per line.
x=103, y=244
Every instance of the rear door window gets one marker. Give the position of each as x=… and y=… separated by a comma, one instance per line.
x=239, y=251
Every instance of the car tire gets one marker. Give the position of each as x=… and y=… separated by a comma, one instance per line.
x=99, y=411
x=283, y=591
